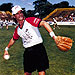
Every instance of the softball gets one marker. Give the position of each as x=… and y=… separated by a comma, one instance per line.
x=6, y=57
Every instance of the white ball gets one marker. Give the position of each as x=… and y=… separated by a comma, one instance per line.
x=6, y=57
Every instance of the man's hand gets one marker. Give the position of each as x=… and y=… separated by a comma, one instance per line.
x=63, y=43
x=6, y=55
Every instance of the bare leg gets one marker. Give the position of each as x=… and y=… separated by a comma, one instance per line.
x=7, y=27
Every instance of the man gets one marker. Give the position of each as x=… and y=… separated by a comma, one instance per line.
x=35, y=56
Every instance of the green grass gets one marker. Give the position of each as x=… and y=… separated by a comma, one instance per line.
x=60, y=63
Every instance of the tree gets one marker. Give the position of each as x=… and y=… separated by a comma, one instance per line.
x=43, y=7
x=63, y=4
x=6, y=7
x=30, y=13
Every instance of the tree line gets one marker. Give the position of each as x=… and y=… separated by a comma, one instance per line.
x=41, y=7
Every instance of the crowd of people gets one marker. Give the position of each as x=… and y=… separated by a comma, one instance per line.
x=61, y=18
x=6, y=19
x=6, y=23
x=66, y=18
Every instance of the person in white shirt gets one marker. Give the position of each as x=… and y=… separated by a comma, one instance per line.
x=35, y=56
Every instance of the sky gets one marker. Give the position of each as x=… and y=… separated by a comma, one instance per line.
x=28, y=4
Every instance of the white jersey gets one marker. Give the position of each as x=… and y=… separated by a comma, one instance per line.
x=29, y=33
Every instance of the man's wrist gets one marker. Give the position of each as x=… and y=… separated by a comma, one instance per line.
x=6, y=49
x=52, y=34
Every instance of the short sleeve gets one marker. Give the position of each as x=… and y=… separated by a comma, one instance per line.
x=34, y=21
x=15, y=35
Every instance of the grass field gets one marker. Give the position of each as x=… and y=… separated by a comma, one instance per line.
x=60, y=63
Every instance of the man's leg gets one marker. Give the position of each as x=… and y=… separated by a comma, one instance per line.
x=42, y=73
x=26, y=73
x=7, y=27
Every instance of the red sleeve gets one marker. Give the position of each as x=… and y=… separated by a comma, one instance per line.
x=15, y=35
x=34, y=21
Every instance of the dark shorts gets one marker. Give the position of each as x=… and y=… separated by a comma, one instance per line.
x=35, y=58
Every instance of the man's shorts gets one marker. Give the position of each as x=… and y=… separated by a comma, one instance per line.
x=35, y=58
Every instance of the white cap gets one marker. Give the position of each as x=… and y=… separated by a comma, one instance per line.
x=15, y=9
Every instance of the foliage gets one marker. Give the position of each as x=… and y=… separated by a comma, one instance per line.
x=63, y=4
x=6, y=7
x=41, y=7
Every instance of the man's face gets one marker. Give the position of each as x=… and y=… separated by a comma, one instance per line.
x=19, y=16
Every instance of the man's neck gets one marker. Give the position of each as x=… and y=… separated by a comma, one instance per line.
x=21, y=23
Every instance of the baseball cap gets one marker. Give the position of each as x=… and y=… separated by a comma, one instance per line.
x=15, y=9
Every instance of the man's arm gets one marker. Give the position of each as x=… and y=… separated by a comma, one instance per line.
x=11, y=42
x=48, y=28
